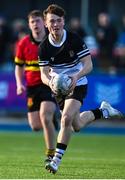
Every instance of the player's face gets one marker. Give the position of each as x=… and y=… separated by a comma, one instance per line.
x=36, y=24
x=55, y=25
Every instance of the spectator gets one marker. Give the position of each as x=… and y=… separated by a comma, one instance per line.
x=75, y=26
x=119, y=50
x=5, y=40
x=20, y=29
x=106, y=35
x=94, y=49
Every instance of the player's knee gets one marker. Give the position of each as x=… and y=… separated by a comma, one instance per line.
x=47, y=119
x=36, y=129
x=35, y=126
x=76, y=130
x=66, y=121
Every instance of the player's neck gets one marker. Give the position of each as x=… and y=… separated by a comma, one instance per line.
x=38, y=36
x=57, y=39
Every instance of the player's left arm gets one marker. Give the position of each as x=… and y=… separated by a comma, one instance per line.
x=87, y=66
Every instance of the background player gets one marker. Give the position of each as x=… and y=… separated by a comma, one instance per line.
x=26, y=59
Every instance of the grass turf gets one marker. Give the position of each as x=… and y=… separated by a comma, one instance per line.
x=88, y=157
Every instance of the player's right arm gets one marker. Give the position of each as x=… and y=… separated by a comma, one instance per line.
x=44, y=70
x=19, y=73
x=43, y=60
x=19, y=66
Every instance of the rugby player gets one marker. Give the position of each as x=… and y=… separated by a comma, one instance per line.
x=65, y=52
x=26, y=60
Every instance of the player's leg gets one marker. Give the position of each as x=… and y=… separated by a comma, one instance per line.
x=104, y=111
x=34, y=120
x=35, y=96
x=71, y=108
x=109, y=111
x=47, y=111
x=33, y=105
x=34, y=99
x=82, y=120
x=57, y=117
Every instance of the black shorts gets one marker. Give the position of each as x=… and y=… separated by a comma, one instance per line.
x=79, y=94
x=36, y=94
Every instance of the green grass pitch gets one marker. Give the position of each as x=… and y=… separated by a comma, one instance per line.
x=87, y=157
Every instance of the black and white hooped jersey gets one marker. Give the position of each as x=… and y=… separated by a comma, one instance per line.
x=64, y=57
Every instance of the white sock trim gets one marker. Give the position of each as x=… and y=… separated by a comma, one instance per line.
x=60, y=151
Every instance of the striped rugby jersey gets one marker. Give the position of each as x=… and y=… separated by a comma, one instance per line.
x=65, y=57
x=27, y=56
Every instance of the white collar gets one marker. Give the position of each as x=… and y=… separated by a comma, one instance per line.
x=60, y=44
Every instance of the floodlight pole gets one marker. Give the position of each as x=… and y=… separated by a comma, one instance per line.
x=84, y=13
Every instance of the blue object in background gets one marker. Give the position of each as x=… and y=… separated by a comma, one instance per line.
x=9, y=101
x=101, y=87
x=110, y=88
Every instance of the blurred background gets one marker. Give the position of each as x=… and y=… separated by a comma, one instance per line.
x=101, y=24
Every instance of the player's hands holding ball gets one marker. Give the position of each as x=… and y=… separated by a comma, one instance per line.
x=73, y=84
x=62, y=84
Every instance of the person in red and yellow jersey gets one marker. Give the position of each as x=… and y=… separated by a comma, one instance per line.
x=26, y=65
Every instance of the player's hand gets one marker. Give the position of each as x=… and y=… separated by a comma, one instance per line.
x=51, y=85
x=74, y=80
x=20, y=89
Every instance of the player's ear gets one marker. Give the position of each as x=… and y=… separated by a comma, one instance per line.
x=64, y=21
x=29, y=25
x=45, y=24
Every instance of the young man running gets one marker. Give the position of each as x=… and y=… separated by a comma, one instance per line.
x=65, y=52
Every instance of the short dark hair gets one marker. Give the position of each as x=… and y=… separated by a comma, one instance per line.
x=35, y=13
x=54, y=9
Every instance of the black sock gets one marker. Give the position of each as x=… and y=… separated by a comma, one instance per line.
x=97, y=113
x=61, y=146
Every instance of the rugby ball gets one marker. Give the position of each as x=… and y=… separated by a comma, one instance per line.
x=61, y=84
